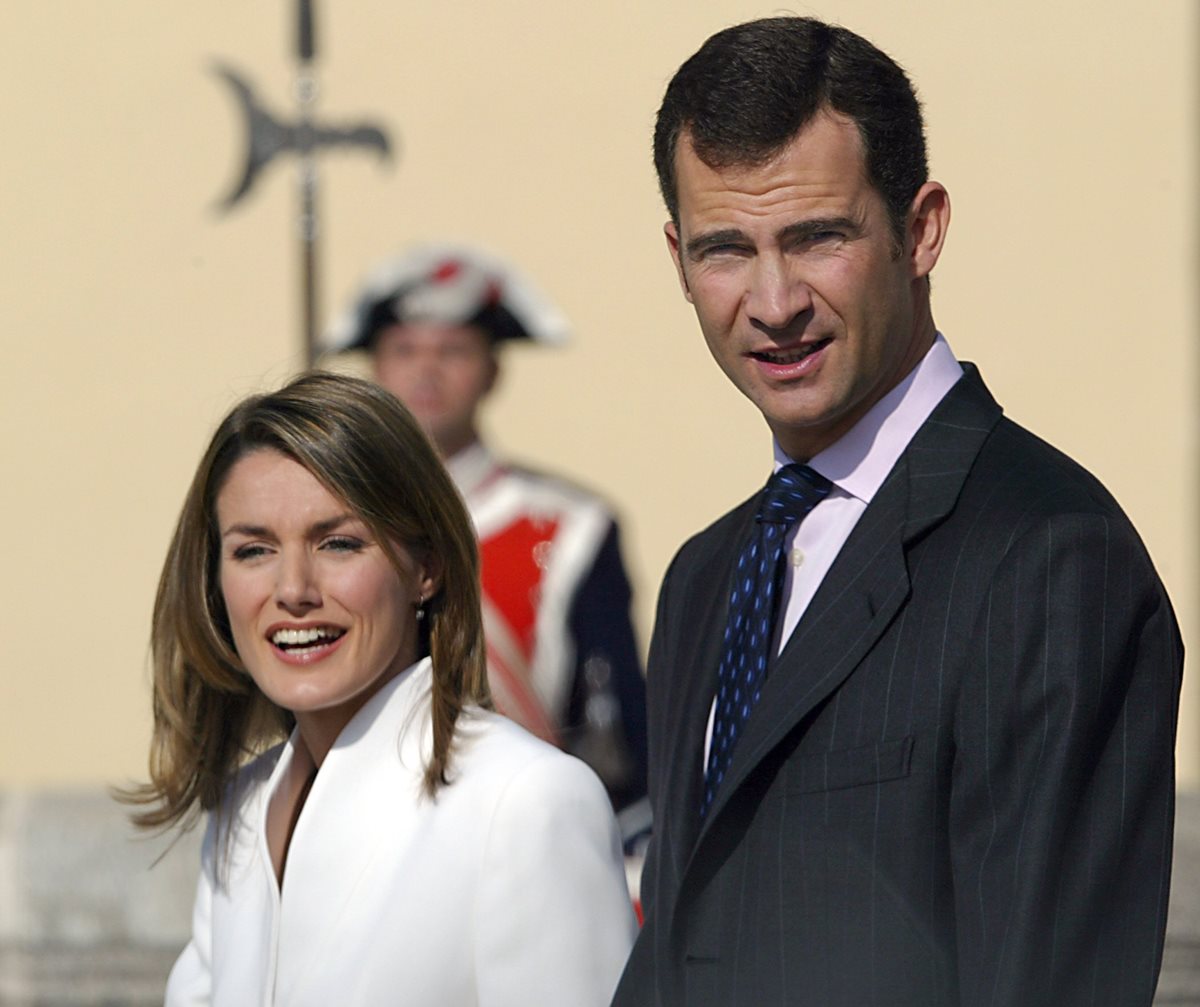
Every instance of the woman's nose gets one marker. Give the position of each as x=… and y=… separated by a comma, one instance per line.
x=296, y=589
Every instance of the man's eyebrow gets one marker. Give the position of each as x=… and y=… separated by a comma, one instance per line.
x=700, y=244
x=807, y=228
x=799, y=231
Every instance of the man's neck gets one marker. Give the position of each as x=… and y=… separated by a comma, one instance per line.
x=451, y=444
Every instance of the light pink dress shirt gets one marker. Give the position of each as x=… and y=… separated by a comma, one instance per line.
x=857, y=465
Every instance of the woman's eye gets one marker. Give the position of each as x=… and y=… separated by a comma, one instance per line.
x=249, y=551
x=342, y=543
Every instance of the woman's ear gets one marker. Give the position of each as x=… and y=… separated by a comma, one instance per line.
x=429, y=576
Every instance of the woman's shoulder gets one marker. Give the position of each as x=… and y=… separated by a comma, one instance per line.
x=491, y=739
x=542, y=816
x=495, y=752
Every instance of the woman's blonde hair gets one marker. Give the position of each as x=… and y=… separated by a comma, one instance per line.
x=366, y=449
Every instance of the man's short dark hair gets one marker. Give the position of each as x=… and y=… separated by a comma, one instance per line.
x=751, y=88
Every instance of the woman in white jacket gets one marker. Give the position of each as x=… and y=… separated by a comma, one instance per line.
x=376, y=834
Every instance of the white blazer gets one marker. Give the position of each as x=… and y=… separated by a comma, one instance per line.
x=506, y=889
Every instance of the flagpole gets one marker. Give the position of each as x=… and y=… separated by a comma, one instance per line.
x=306, y=96
x=268, y=136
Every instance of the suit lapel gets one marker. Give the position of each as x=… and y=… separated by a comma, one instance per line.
x=700, y=640
x=868, y=582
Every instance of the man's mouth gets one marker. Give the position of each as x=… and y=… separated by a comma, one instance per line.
x=782, y=358
x=300, y=641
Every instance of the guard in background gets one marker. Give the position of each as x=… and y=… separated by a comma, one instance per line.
x=562, y=658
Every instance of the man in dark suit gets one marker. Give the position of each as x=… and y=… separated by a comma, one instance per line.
x=946, y=777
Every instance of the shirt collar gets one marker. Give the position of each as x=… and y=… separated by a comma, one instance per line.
x=471, y=467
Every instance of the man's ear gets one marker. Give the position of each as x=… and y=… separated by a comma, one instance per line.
x=929, y=221
x=672, y=233
x=493, y=374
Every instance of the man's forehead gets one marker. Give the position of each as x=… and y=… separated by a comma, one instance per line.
x=821, y=168
x=827, y=134
x=432, y=332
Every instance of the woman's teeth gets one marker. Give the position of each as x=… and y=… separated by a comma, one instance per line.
x=305, y=637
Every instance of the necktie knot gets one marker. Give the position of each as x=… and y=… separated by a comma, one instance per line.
x=791, y=493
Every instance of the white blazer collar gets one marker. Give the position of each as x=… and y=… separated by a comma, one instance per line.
x=375, y=767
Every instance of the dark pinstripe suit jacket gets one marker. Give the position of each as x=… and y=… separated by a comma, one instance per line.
x=957, y=787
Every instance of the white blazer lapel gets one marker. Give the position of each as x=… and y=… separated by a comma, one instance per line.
x=362, y=807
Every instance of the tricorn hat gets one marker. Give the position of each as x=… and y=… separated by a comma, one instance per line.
x=453, y=285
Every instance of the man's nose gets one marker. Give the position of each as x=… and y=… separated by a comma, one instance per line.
x=776, y=294
x=296, y=588
x=428, y=367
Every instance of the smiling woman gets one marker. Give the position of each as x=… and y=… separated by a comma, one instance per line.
x=312, y=596
x=320, y=690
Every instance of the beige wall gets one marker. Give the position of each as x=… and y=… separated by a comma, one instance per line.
x=133, y=315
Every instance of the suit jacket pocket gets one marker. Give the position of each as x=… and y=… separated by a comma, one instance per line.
x=851, y=767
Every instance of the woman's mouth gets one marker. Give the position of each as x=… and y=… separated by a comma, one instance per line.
x=306, y=641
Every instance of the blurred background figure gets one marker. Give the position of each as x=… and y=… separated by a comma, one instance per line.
x=561, y=652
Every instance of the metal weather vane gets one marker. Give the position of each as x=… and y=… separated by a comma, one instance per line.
x=268, y=137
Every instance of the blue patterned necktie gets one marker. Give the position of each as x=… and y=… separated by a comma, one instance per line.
x=791, y=493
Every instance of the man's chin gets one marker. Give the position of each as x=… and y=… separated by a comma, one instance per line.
x=803, y=433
